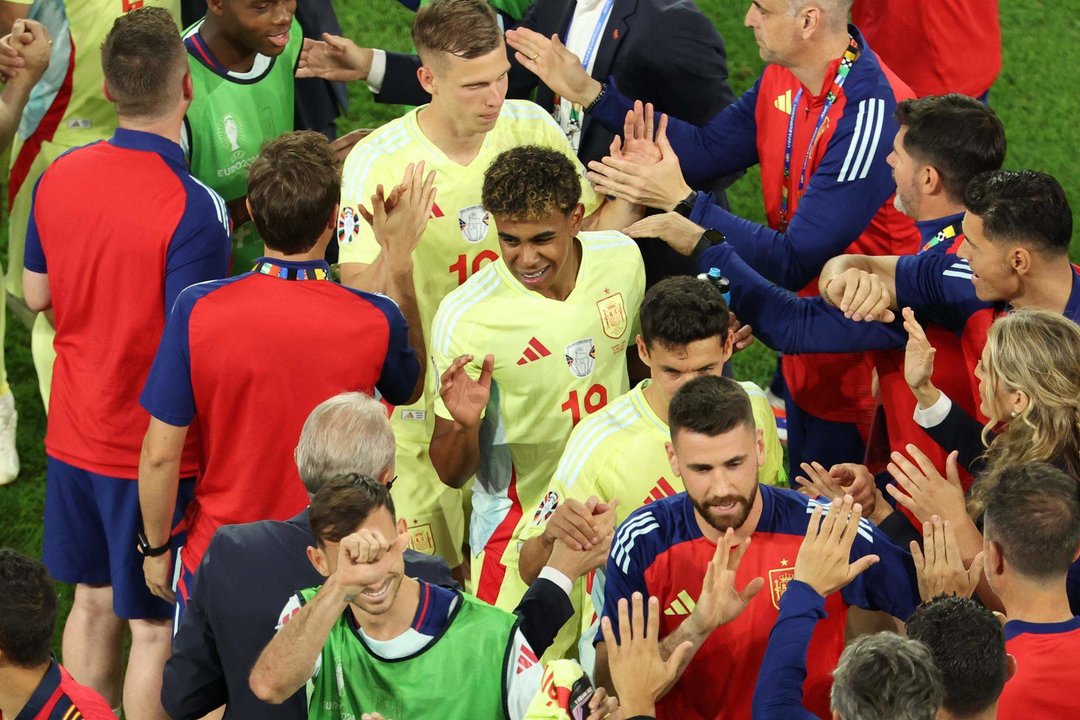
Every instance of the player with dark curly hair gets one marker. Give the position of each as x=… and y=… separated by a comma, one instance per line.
x=508, y=397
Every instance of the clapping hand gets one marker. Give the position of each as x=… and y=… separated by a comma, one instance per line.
x=399, y=220
x=557, y=67
x=822, y=562
x=720, y=602
x=464, y=397
x=925, y=492
x=659, y=184
x=334, y=58
x=919, y=361
x=639, y=674
x=939, y=564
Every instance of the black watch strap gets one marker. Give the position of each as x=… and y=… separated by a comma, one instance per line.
x=686, y=206
x=708, y=238
x=146, y=550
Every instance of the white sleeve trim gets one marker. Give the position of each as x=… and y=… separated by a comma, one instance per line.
x=933, y=415
x=557, y=577
x=378, y=70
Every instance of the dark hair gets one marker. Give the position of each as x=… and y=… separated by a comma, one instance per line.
x=341, y=505
x=293, y=188
x=682, y=309
x=1033, y=513
x=528, y=182
x=27, y=610
x=143, y=60
x=710, y=406
x=465, y=28
x=956, y=134
x=1022, y=206
x=968, y=645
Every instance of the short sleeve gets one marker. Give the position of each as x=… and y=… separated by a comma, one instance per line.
x=363, y=172
x=201, y=247
x=34, y=254
x=168, y=394
x=451, y=338
x=575, y=477
x=400, y=369
x=891, y=585
x=624, y=573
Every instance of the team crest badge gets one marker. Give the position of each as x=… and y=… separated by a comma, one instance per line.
x=581, y=357
x=613, y=315
x=778, y=582
x=348, y=226
x=421, y=539
x=547, y=507
x=473, y=223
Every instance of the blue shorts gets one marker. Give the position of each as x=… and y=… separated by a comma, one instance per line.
x=91, y=523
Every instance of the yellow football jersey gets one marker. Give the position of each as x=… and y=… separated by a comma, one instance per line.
x=619, y=453
x=460, y=238
x=555, y=363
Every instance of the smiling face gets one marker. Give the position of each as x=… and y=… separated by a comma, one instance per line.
x=261, y=25
x=720, y=474
x=542, y=254
x=991, y=270
x=468, y=92
x=377, y=597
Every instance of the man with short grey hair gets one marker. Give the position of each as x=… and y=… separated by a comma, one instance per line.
x=250, y=571
x=886, y=677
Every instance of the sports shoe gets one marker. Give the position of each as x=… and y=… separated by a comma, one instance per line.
x=779, y=411
x=9, y=456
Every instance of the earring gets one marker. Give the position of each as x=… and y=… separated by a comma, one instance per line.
x=1012, y=414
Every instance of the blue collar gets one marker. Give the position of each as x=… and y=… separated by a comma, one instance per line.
x=41, y=695
x=1072, y=307
x=930, y=228
x=1018, y=627
x=147, y=142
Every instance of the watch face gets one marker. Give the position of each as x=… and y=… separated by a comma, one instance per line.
x=713, y=237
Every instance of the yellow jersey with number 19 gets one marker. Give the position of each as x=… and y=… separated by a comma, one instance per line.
x=555, y=363
x=460, y=238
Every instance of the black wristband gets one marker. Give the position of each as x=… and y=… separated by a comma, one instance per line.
x=146, y=550
x=686, y=206
x=596, y=100
x=708, y=238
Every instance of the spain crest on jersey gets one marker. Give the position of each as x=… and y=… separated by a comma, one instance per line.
x=547, y=507
x=473, y=223
x=348, y=226
x=612, y=315
x=778, y=582
x=581, y=357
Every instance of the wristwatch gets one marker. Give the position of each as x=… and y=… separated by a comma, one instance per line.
x=147, y=550
x=708, y=238
x=686, y=206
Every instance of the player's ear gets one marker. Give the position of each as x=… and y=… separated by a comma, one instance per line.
x=672, y=460
x=759, y=445
x=108, y=95
x=189, y=87
x=1019, y=259
x=318, y=560
x=643, y=351
x=426, y=78
x=930, y=180
x=576, y=217
x=251, y=213
x=216, y=6
x=1010, y=667
x=332, y=222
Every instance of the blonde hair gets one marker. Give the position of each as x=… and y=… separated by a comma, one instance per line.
x=1036, y=352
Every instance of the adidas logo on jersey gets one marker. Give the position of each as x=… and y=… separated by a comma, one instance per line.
x=661, y=490
x=533, y=351
x=683, y=604
x=783, y=103
x=526, y=659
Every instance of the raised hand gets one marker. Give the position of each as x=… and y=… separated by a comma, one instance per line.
x=822, y=562
x=939, y=564
x=365, y=558
x=399, y=220
x=638, y=143
x=742, y=336
x=858, y=482
x=657, y=185
x=720, y=602
x=464, y=397
x=816, y=481
x=557, y=67
x=334, y=58
x=919, y=361
x=860, y=296
x=925, y=492
x=639, y=674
